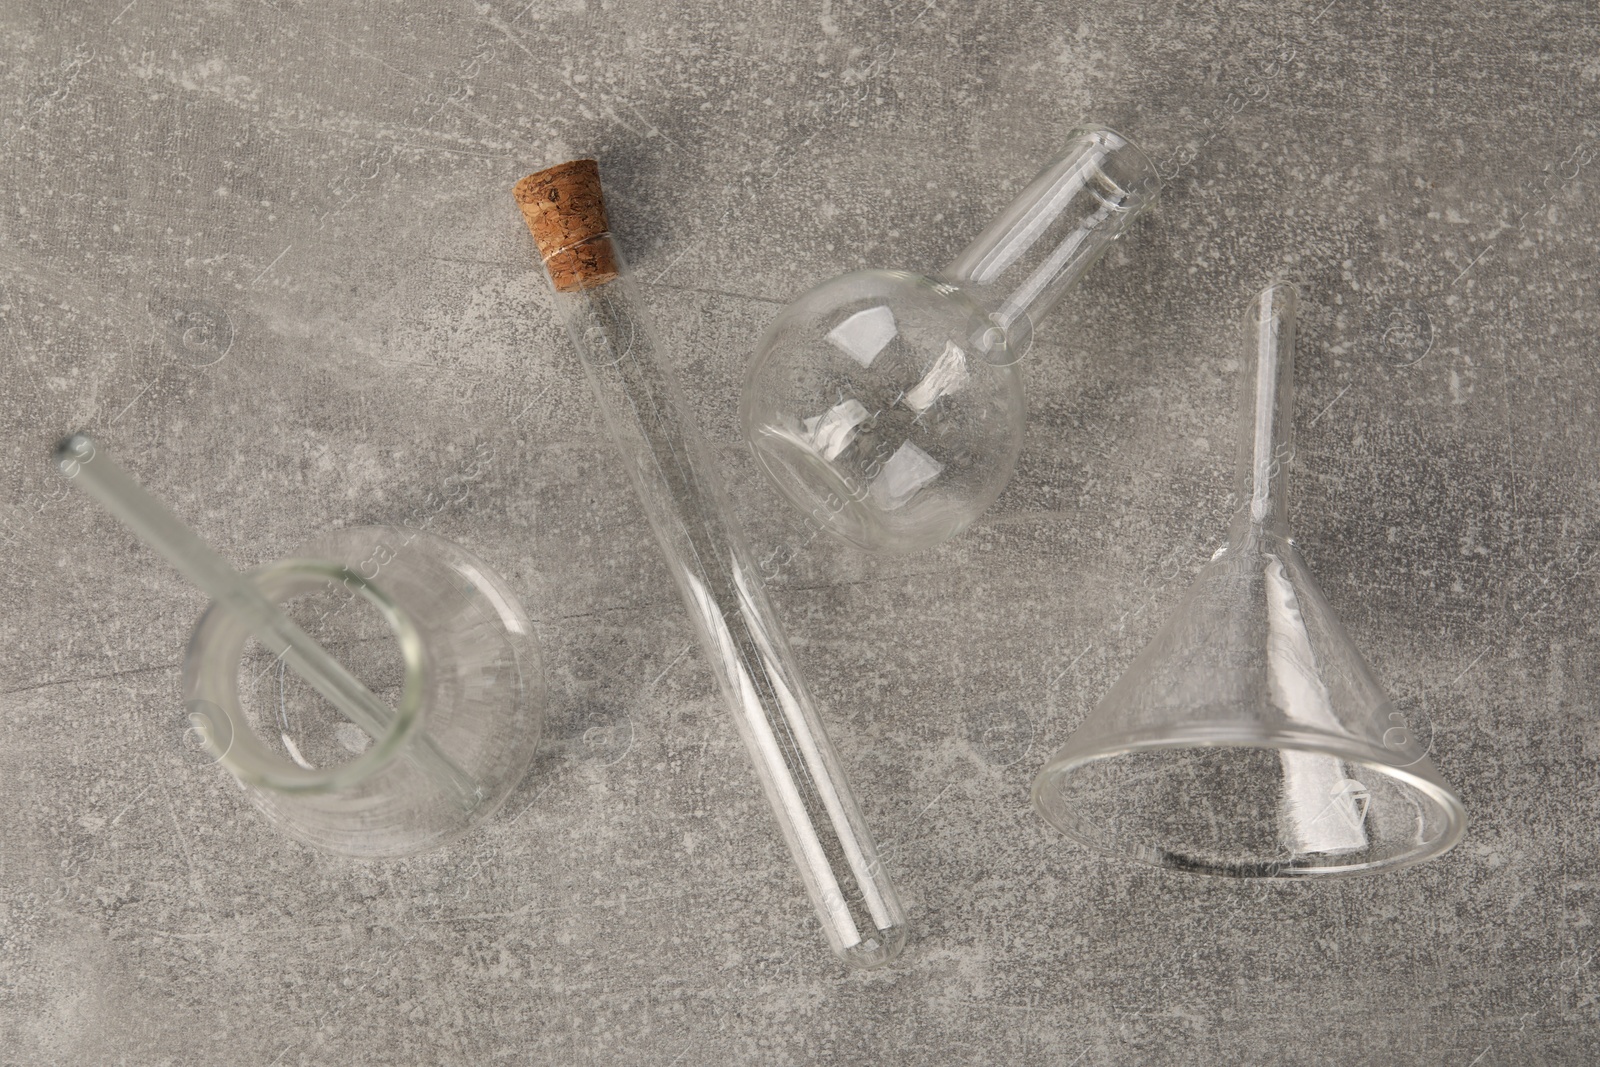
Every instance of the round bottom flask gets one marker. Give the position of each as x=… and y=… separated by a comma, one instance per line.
x=888, y=406
x=434, y=634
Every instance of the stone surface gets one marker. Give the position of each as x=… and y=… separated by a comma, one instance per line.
x=267, y=252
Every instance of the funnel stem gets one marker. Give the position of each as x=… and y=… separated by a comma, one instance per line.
x=1266, y=417
x=1030, y=255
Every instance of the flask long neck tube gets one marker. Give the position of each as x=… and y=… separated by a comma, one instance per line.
x=1266, y=416
x=1027, y=258
x=765, y=694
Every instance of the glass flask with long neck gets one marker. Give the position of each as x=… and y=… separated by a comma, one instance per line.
x=683, y=498
x=889, y=406
x=1251, y=738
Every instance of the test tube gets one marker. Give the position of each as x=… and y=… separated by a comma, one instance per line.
x=684, y=501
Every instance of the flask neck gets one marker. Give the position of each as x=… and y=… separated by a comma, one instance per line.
x=1023, y=262
x=1266, y=415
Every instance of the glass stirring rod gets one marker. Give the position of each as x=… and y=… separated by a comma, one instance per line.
x=88, y=465
x=684, y=500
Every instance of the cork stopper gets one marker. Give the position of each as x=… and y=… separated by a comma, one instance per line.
x=564, y=208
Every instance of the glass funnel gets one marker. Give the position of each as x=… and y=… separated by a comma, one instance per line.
x=1250, y=738
x=889, y=406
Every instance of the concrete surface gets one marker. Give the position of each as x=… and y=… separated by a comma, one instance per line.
x=267, y=251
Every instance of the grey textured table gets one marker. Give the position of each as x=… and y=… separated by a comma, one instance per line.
x=267, y=251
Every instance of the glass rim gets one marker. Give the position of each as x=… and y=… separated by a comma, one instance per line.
x=1126, y=151
x=1047, y=785
x=218, y=635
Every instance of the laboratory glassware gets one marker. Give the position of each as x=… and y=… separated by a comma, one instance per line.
x=1250, y=738
x=889, y=406
x=358, y=774
x=683, y=498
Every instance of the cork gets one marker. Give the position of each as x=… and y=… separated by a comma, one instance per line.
x=564, y=208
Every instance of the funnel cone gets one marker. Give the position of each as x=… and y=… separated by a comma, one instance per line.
x=1251, y=738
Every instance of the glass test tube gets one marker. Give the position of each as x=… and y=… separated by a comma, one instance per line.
x=684, y=500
